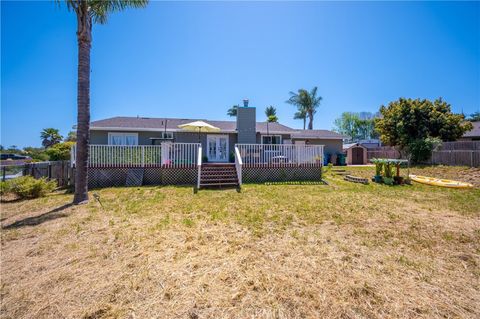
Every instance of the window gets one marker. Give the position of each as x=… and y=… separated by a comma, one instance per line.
x=167, y=135
x=115, y=138
x=271, y=139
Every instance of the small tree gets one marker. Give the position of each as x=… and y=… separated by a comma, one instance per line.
x=232, y=111
x=411, y=125
x=271, y=114
x=50, y=136
x=60, y=151
x=71, y=137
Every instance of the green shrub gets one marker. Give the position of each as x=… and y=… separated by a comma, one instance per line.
x=60, y=151
x=4, y=187
x=421, y=149
x=29, y=187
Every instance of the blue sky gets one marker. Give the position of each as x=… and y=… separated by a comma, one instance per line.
x=196, y=59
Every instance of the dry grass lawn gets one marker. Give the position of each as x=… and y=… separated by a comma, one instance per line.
x=273, y=251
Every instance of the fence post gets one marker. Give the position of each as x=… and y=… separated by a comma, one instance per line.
x=471, y=158
x=49, y=171
x=3, y=173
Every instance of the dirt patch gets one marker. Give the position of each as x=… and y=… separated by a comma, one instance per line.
x=294, y=251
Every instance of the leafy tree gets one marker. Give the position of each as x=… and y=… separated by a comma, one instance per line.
x=36, y=153
x=60, y=151
x=307, y=102
x=411, y=124
x=233, y=111
x=358, y=126
x=88, y=12
x=474, y=117
x=347, y=124
x=271, y=113
x=71, y=137
x=272, y=119
x=50, y=136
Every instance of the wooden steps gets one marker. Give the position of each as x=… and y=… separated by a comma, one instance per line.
x=218, y=175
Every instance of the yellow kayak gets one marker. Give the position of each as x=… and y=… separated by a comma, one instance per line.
x=439, y=182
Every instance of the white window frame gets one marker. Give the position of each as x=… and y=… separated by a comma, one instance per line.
x=216, y=136
x=123, y=135
x=270, y=135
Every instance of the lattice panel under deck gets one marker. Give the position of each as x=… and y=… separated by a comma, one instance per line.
x=281, y=174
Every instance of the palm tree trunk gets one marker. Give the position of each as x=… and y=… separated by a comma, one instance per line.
x=310, y=120
x=304, y=122
x=84, y=38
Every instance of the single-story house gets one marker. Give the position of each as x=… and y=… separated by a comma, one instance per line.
x=472, y=135
x=217, y=146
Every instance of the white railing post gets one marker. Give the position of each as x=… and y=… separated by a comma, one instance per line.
x=199, y=165
x=238, y=165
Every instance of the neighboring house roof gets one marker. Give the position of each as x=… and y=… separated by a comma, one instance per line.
x=475, y=132
x=317, y=134
x=158, y=124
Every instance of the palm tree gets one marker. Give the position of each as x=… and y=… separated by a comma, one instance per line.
x=88, y=12
x=233, y=110
x=271, y=113
x=50, y=136
x=306, y=102
x=301, y=114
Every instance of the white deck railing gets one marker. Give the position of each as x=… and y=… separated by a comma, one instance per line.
x=165, y=155
x=280, y=155
x=238, y=165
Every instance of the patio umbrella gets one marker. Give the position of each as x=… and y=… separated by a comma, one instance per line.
x=198, y=126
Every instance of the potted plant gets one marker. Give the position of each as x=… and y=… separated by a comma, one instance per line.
x=388, y=169
x=378, y=170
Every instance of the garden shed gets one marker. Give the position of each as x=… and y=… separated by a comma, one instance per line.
x=356, y=155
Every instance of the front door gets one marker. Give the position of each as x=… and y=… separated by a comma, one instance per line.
x=217, y=148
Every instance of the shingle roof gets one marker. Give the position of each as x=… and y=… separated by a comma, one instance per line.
x=144, y=123
x=320, y=134
x=475, y=132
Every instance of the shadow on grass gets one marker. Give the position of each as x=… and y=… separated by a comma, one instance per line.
x=37, y=220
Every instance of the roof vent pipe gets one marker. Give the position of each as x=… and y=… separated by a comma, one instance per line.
x=245, y=102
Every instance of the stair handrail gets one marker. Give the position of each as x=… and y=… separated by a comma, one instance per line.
x=238, y=165
x=199, y=165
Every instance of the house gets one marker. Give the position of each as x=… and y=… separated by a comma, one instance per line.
x=472, y=135
x=216, y=147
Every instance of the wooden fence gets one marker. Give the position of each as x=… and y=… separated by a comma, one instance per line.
x=60, y=171
x=461, y=153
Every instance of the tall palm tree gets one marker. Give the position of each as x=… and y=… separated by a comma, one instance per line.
x=50, y=136
x=301, y=114
x=233, y=111
x=88, y=12
x=307, y=102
